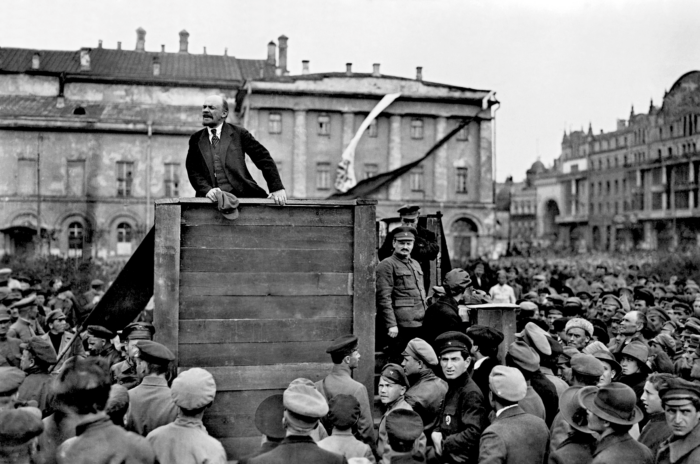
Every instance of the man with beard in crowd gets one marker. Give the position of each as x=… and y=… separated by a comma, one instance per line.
x=427, y=391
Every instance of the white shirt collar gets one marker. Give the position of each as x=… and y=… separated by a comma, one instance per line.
x=498, y=413
x=218, y=131
x=479, y=362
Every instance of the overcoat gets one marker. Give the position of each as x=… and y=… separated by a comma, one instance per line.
x=514, y=437
x=621, y=448
x=297, y=449
x=685, y=450
x=577, y=448
x=150, y=406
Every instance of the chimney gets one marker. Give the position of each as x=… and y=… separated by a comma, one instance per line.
x=375, y=70
x=140, y=40
x=85, y=59
x=205, y=51
x=272, y=53
x=283, y=53
x=60, y=101
x=305, y=67
x=419, y=73
x=184, y=35
x=162, y=48
x=99, y=43
x=348, y=68
x=226, y=51
x=156, y=66
x=36, y=61
x=119, y=45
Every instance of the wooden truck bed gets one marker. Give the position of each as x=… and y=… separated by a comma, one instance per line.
x=257, y=300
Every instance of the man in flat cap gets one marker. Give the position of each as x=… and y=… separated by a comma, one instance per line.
x=100, y=345
x=400, y=293
x=304, y=406
x=37, y=357
x=27, y=325
x=186, y=441
x=427, y=391
x=18, y=431
x=151, y=403
x=392, y=386
x=443, y=315
x=11, y=379
x=10, y=351
x=513, y=436
x=343, y=412
x=463, y=415
x=346, y=357
x=61, y=339
x=84, y=386
x=486, y=341
x=403, y=428
x=95, y=293
x=124, y=372
x=681, y=403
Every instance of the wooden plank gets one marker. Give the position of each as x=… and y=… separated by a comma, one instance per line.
x=262, y=201
x=298, y=237
x=241, y=378
x=240, y=402
x=253, y=354
x=206, y=215
x=212, y=283
x=364, y=311
x=265, y=331
x=263, y=307
x=264, y=260
x=238, y=448
x=166, y=281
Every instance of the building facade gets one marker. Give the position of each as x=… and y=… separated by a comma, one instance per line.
x=90, y=138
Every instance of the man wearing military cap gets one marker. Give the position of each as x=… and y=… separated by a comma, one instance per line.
x=124, y=372
x=463, y=415
x=10, y=351
x=26, y=326
x=427, y=391
x=95, y=293
x=60, y=338
x=100, y=344
x=400, y=293
x=681, y=403
x=392, y=386
x=304, y=406
x=443, y=315
x=610, y=304
x=514, y=436
x=403, y=428
x=10, y=380
x=151, y=403
x=37, y=357
x=346, y=357
x=486, y=341
x=186, y=440
x=343, y=412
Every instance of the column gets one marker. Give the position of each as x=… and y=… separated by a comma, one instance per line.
x=441, y=179
x=299, y=155
x=485, y=162
x=395, y=155
x=348, y=128
x=691, y=179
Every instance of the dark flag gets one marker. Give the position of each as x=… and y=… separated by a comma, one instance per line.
x=371, y=185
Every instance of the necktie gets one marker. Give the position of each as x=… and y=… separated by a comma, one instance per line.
x=214, y=138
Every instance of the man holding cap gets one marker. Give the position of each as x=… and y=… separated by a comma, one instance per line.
x=124, y=372
x=427, y=391
x=463, y=415
x=186, y=441
x=400, y=293
x=681, y=402
x=151, y=403
x=37, y=357
x=304, y=406
x=60, y=338
x=346, y=357
x=100, y=345
x=443, y=315
x=514, y=436
x=10, y=351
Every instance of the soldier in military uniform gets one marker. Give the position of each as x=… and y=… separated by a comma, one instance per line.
x=37, y=357
x=60, y=338
x=100, y=345
x=427, y=391
x=124, y=372
x=26, y=326
x=426, y=248
x=10, y=351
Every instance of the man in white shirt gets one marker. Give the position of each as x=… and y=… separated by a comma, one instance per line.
x=502, y=292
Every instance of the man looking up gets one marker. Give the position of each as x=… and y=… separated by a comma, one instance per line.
x=631, y=328
x=216, y=158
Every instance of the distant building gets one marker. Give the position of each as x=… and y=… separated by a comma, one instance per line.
x=90, y=138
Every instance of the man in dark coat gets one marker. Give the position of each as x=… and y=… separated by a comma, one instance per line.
x=268, y=421
x=216, y=158
x=484, y=351
x=304, y=407
x=124, y=372
x=443, y=315
x=463, y=416
x=100, y=345
x=681, y=402
x=657, y=430
x=579, y=444
x=37, y=357
x=427, y=391
x=514, y=437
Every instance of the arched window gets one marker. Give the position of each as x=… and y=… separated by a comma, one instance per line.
x=75, y=240
x=124, y=237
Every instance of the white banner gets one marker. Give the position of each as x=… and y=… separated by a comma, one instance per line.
x=345, y=174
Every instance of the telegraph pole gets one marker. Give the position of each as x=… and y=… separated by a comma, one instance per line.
x=39, y=241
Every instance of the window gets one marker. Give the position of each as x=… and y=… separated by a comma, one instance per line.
x=274, y=123
x=656, y=176
x=75, y=240
x=670, y=151
x=656, y=200
x=372, y=130
x=416, y=128
x=416, y=179
x=607, y=188
x=324, y=125
x=616, y=187
x=681, y=200
x=124, y=237
x=574, y=168
x=26, y=176
x=76, y=178
x=172, y=179
x=371, y=170
x=79, y=111
x=125, y=177
x=463, y=134
x=323, y=176
x=462, y=180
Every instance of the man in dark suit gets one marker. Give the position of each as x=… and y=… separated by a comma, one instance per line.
x=485, y=352
x=216, y=158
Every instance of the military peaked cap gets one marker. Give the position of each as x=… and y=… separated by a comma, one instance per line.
x=153, y=352
x=485, y=336
x=452, y=341
x=395, y=374
x=138, y=331
x=100, y=332
x=345, y=343
x=404, y=233
x=678, y=390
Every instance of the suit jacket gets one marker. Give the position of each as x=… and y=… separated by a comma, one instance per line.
x=481, y=375
x=577, y=448
x=621, y=448
x=515, y=437
x=440, y=317
x=297, y=449
x=425, y=396
x=236, y=142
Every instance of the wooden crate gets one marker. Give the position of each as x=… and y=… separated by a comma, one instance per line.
x=257, y=300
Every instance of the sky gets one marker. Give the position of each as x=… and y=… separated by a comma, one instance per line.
x=555, y=64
